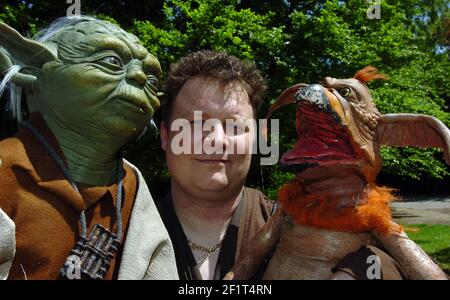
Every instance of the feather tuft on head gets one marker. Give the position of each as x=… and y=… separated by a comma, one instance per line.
x=369, y=73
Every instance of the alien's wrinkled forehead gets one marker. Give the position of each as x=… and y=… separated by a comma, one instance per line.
x=87, y=38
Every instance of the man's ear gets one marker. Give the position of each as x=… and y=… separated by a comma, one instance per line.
x=164, y=136
x=24, y=52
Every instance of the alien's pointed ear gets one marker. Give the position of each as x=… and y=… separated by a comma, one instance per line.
x=414, y=130
x=27, y=51
x=23, y=51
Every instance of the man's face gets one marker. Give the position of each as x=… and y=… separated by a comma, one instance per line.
x=105, y=80
x=204, y=172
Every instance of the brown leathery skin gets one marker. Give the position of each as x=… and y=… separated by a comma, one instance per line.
x=414, y=261
x=305, y=252
x=361, y=119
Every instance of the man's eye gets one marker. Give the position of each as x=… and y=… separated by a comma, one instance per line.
x=113, y=61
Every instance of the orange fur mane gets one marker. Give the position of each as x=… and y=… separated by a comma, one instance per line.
x=321, y=212
x=367, y=74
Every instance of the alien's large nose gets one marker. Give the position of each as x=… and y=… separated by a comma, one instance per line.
x=313, y=94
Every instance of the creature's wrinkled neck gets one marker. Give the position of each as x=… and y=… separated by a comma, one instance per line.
x=347, y=190
x=91, y=155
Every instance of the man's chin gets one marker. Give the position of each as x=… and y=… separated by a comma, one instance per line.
x=215, y=185
x=214, y=182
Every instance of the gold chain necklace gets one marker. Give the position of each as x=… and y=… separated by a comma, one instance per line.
x=202, y=258
x=212, y=249
x=209, y=250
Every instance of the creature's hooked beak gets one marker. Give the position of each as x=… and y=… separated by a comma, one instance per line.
x=313, y=94
x=323, y=136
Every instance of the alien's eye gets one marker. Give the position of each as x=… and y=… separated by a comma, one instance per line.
x=113, y=60
x=152, y=80
x=345, y=92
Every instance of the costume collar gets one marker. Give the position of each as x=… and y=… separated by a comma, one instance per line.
x=44, y=171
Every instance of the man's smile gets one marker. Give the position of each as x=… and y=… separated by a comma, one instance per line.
x=213, y=161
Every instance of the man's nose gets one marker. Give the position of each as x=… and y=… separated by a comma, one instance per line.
x=136, y=74
x=218, y=136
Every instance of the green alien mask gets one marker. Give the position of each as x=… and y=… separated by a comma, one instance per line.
x=94, y=84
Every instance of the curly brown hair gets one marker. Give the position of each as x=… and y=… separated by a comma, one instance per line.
x=217, y=65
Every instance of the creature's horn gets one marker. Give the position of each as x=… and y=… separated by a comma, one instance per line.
x=414, y=262
x=414, y=130
x=286, y=97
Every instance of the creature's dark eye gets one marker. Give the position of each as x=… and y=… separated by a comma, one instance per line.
x=113, y=60
x=152, y=80
x=345, y=92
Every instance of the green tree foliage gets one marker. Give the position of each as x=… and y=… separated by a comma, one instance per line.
x=291, y=42
x=216, y=25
